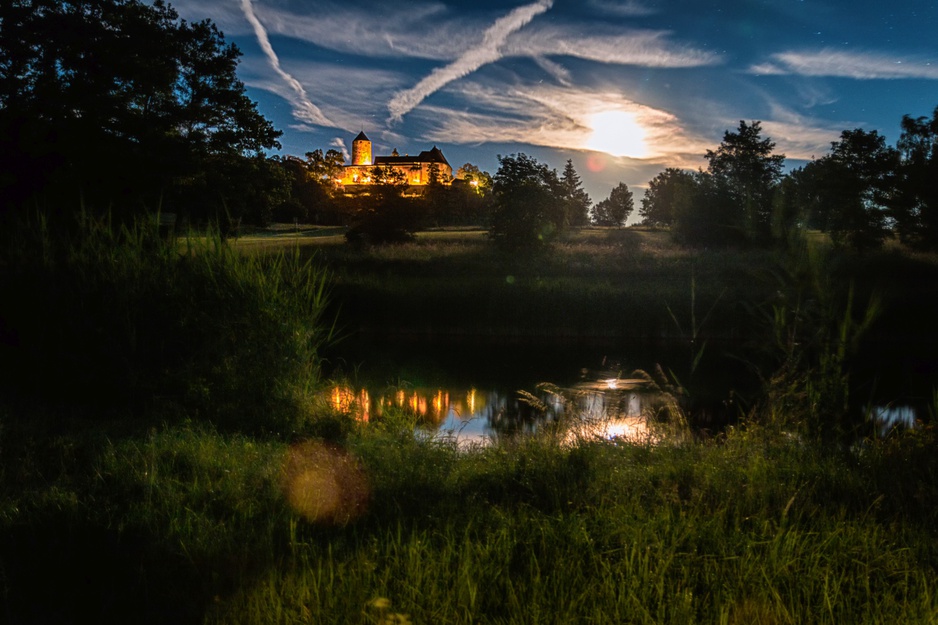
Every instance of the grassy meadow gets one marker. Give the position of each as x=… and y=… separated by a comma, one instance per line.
x=215, y=484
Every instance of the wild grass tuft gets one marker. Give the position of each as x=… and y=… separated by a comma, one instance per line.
x=112, y=317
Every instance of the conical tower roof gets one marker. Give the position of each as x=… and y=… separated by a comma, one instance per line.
x=361, y=137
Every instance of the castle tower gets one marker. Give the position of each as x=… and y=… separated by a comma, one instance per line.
x=361, y=150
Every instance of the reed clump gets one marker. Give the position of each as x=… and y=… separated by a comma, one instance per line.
x=104, y=318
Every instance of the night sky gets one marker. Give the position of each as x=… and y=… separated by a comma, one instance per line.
x=624, y=88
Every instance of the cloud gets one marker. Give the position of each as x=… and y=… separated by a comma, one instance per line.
x=621, y=8
x=565, y=118
x=488, y=51
x=556, y=70
x=339, y=142
x=618, y=46
x=800, y=140
x=800, y=137
x=303, y=109
x=838, y=63
x=380, y=30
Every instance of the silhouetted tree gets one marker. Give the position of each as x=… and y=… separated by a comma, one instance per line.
x=667, y=193
x=852, y=189
x=120, y=102
x=471, y=196
x=916, y=204
x=480, y=181
x=710, y=217
x=614, y=210
x=325, y=168
x=745, y=170
x=529, y=207
x=383, y=214
x=789, y=214
x=577, y=200
x=312, y=188
x=436, y=196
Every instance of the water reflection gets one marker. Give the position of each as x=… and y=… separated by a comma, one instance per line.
x=606, y=408
x=888, y=418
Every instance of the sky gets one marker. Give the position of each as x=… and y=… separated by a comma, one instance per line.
x=623, y=88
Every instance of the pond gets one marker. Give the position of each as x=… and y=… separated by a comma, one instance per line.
x=480, y=390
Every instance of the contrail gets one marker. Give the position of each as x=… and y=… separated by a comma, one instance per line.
x=486, y=52
x=303, y=109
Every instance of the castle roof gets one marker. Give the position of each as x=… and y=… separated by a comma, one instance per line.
x=361, y=137
x=427, y=156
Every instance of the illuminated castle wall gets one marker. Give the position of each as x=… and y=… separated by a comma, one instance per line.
x=415, y=169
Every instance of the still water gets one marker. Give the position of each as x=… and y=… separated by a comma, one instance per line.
x=481, y=391
x=478, y=416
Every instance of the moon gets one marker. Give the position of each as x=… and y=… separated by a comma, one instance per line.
x=617, y=133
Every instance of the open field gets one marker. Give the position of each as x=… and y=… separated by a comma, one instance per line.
x=631, y=283
x=601, y=283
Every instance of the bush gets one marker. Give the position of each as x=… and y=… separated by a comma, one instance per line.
x=108, y=318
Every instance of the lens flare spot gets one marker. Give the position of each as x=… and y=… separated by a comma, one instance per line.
x=324, y=484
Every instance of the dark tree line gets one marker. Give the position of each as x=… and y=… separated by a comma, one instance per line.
x=122, y=105
x=860, y=193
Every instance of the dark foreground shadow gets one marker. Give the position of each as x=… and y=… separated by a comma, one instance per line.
x=61, y=574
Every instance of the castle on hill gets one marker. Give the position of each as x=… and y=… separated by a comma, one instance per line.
x=416, y=170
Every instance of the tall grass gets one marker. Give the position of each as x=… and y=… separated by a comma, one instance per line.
x=197, y=526
x=109, y=317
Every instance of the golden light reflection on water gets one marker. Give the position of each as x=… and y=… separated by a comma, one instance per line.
x=606, y=408
x=434, y=405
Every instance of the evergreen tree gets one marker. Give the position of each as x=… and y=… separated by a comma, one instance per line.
x=744, y=167
x=578, y=201
x=853, y=189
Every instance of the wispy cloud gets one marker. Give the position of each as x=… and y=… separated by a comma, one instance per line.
x=303, y=109
x=556, y=70
x=425, y=30
x=647, y=48
x=798, y=136
x=858, y=65
x=487, y=51
x=622, y=8
x=339, y=143
x=563, y=118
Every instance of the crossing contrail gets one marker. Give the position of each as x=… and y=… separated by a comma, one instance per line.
x=488, y=51
x=303, y=109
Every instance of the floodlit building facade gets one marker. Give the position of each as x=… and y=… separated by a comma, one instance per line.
x=366, y=169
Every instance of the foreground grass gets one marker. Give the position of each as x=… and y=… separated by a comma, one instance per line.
x=182, y=524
